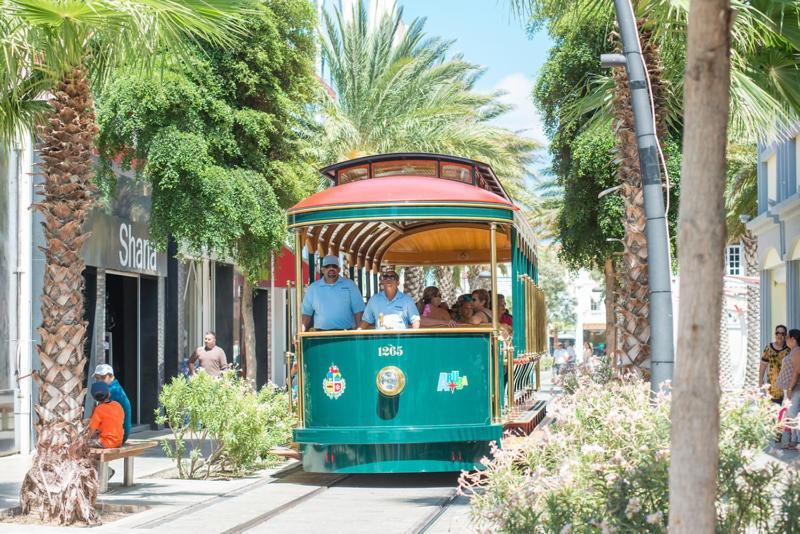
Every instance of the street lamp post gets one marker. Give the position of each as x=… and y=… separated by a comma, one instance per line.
x=662, y=352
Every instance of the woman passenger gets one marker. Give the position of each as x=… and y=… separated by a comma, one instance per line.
x=481, y=314
x=462, y=309
x=430, y=310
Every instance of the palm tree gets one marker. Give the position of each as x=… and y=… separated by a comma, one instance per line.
x=397, y=91
x=414, y=282
x=741, y=197
x=633, y=289
x=446, y=282
x=764, y=98
x=62, y=48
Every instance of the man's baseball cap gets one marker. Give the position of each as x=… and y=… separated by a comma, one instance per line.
x=104, y=369
x=330, y=260
x=100, y=391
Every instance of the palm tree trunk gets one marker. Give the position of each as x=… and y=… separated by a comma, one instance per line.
x=475, y=279
x=248, y=322
x=446, y=284
x=725, y=364
x=609, y=271
x=62, y=482
x=413, y=282
x=753, y=357
x=695, y=399
x=634, y=287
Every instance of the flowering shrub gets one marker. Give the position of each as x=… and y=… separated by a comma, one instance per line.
x=221, y=425
x=603, y=467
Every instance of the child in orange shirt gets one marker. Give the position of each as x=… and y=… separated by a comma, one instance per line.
x=107, y=418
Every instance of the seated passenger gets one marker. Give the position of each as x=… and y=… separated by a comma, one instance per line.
x=390, y=309
x=430, y=309
x=502, y=311
x=462, y=309
x=481, y=314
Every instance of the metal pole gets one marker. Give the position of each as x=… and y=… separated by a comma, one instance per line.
x=298, y=344
x=495, y=344
x=662, y=355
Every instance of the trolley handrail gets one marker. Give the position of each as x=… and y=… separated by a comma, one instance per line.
x=406, y=332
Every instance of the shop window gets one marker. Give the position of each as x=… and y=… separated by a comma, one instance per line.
x=353, y=174
x=404, y=168
x=772, y=179
x=797, y=161
x=733, y=260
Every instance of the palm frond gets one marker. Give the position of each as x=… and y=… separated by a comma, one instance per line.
x=403, y=91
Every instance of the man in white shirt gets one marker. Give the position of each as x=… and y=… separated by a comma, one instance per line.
x=559, y=358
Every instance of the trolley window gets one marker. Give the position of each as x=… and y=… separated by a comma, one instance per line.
x=404, y=168
x=457, y=172
x=353, y=174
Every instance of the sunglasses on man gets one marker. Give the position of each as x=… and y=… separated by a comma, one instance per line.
x=779, y=333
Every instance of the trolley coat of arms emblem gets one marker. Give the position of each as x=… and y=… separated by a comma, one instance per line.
x=334, y=383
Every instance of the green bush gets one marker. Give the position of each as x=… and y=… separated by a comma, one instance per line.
x=221, y=425
x=602, y=466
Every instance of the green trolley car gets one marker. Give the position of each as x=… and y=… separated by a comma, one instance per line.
x=416, y=400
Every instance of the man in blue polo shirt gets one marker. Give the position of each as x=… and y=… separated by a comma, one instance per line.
x=333, y=302
x=390, y=309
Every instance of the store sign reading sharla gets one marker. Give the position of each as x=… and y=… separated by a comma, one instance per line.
x=135, y=252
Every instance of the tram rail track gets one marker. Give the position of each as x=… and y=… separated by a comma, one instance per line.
x=431, y=518
x=274, y=512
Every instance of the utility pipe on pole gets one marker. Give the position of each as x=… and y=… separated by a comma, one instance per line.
x=662, y=354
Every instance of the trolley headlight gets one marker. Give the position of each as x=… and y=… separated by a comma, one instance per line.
x=390, y=381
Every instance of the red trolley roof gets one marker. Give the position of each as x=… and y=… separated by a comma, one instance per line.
x=400, y=189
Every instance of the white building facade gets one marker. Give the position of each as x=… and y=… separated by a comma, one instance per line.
x=777, y=229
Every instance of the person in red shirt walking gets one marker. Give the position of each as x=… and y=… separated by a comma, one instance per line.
x=107, y=418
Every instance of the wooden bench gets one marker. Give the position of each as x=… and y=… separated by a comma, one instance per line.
x=6, y=409
x=128, y=451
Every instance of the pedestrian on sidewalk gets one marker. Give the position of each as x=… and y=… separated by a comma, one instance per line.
x=788, y=379
x=559, y=358
x=572, y=357
x=106, y=420
x=771, y=359
x=211, y=357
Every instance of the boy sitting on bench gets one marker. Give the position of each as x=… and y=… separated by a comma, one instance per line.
x=107, y=419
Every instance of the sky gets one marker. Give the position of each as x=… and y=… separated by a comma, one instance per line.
x=486, y=33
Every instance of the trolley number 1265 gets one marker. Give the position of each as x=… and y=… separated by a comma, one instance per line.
x=390, y=350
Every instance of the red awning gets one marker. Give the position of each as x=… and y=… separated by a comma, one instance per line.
x=284, y=270
x=400, y=189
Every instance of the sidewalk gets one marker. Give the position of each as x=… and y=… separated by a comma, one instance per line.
x=187, y=505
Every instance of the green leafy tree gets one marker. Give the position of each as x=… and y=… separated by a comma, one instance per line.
x=553, y=277
x=63, y=49
x=219, y=140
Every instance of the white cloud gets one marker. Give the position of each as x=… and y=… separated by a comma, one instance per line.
x=523, y=117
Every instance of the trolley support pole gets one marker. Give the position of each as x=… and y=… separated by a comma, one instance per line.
x=298, y=295
x=288, y=355
x=495, y=321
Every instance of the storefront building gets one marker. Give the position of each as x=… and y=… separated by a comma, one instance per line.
x=777, y=228
x=125, y=296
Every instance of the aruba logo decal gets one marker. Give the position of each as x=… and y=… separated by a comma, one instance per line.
x=334, y=383
x=452, y=381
